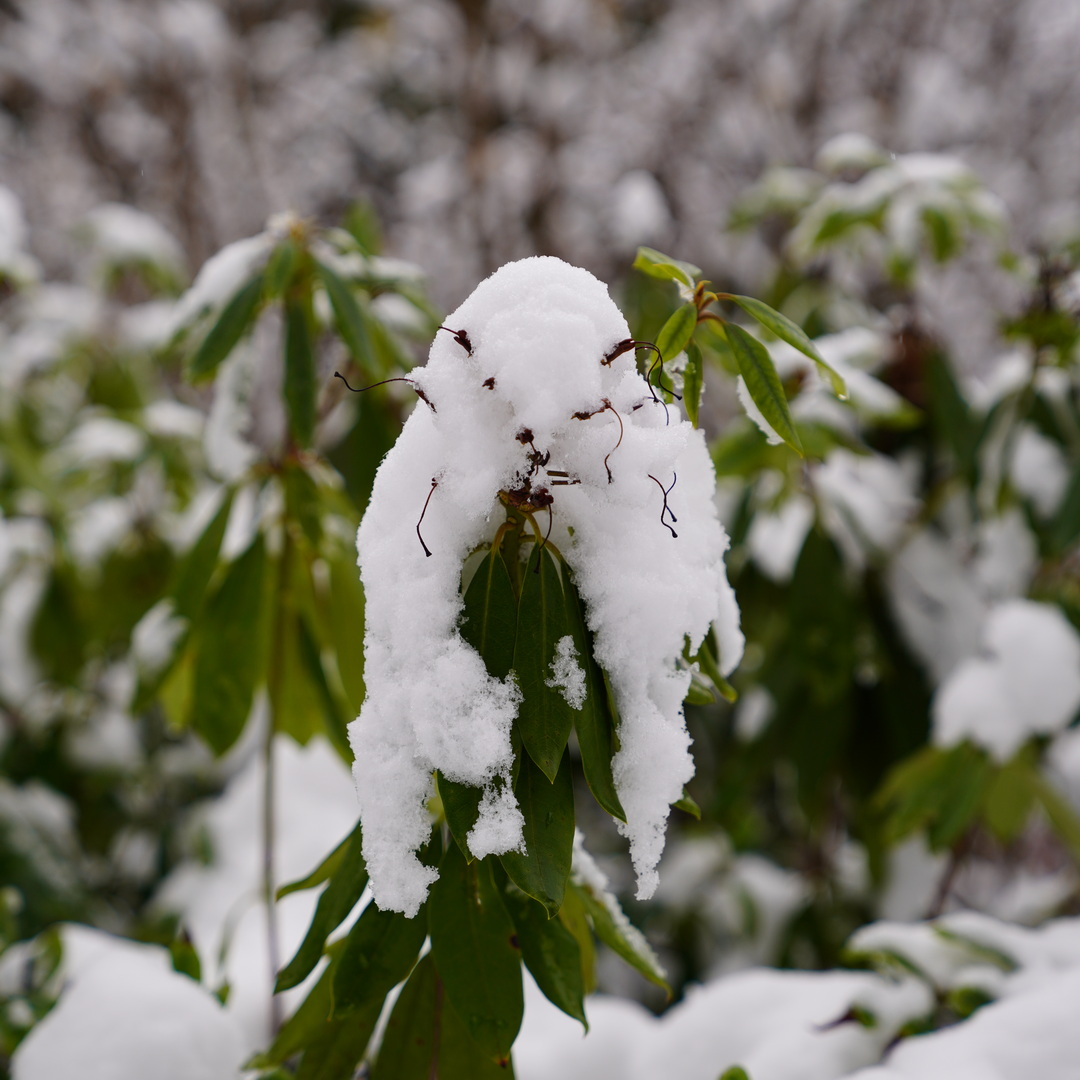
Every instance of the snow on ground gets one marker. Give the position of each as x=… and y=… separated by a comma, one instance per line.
x=524, y=372
x=126, y=1015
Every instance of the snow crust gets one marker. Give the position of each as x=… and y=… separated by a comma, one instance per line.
x=538, y=330
x=567, y=675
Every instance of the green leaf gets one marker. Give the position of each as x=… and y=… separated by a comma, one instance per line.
x=461, y=805
x=302, y=502
x=323, y=872
x=197, y=568
x=222, y=337
x=615, y=931
x=231, y=653
x=759, y=374
x=335, y=903
x=335, y=722
x=794, y=335
x=1009, y=797
x=340, y=1045
x=596, y=720
x=346, y=618
x=379, y=952
x=736, y=1072
x=574, y=917
x=425, y=1037
x=658, y=265
x=348, y=317
x=688, y=805
x=548, y=809
x=299, y=385
x=58, y=635
x=959, y=799
x=280, y=267
x=693, y=382
x=676, y=333
x=304, y=1028
x=551, y=954
x=490, y=615
x=475, y=952
x=544, y=717
x=1065, y=528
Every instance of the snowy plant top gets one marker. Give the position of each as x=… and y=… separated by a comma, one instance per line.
x=526, y=400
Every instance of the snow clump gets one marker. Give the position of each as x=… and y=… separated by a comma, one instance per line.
x=524, y=371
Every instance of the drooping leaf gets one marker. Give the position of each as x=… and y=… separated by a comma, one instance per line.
x=425, y=1037
x=299, y=386
x=616, y=932
x=548, y=809
x=475, y=952
x=323, y=872
x=303, y=1028
x=688, y=805
x=759, y=374
x=551, y=954
x=348, y=317
x=693, y=382
x=461, y=805
x=573, y=916
x=379, y=953
x=1065, y=528
x=331, y=707
x=302, y=502
x=783, y=328
x=346, y=884
x=346, y=618
x=676, y=333
x=490, y=615
x=658, y=265
x=280, y=267
x=231, y=656
x=340, y=1045
x=1009, y=797
x=595, y=722
x=230, y=327
x=544, y=716
x=197, y=567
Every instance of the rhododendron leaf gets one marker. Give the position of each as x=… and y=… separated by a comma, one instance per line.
x=347, y=882
x=232, y=323
x=548, y=809
x=545, y=717
x=476, y=953
x=379, y=953
x=551, y=953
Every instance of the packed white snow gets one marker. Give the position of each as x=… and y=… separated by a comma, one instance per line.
x=526, y=374
x=567, y=675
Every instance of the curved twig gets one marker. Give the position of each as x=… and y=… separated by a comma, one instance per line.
x=434, y=485
x=665, y=491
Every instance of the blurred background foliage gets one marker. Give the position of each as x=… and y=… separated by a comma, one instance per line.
x=172, y=450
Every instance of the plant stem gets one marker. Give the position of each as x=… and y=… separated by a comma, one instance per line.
x=273, y=686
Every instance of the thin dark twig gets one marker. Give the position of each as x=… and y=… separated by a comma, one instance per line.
x=608, y=405
x=360, y=389
x=665, y=491
x=434, y=485
x=461, y=337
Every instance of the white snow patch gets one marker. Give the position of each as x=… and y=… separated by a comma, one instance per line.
x=1026, y=682
x=539, y=330
x=567, y=675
